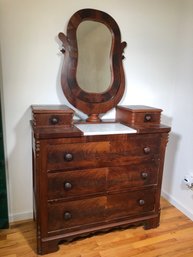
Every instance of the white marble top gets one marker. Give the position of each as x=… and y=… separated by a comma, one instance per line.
x=104, y=129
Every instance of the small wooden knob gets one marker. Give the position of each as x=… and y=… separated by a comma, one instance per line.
x=147, y=150
x=67, y=215
x=54, y=120
x=63, y=50
x=67, y=186
x=141, y=202
x=68, y=157
x=144, y=175
x=148, y=117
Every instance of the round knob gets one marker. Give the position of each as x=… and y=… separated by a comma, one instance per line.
x=147, y=150
x=67, y=215
x=67, y=186
x=148, y=117
x=68, y=157
x=141, y=202
x=54, y=120
x=144, y=175
x=63, y=50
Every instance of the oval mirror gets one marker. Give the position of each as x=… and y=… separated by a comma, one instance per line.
x=94, y=41
x=92, y=75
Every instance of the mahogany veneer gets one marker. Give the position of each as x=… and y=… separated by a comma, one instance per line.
x=91, y=103
x=138, y=115
x=84, y=184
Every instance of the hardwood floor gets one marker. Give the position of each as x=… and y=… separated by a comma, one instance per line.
x=173, y=238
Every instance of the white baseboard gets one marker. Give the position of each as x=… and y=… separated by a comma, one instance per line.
x=20, y=216
x=177, y=204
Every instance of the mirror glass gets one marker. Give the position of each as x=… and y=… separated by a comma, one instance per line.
x=94, y=41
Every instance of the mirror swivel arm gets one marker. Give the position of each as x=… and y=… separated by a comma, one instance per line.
x=64, y=40
x=123, y=45
x=63, y=50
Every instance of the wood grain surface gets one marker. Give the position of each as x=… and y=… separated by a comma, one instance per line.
x=173, y=238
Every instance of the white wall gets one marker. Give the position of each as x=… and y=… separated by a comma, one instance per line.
x=157, y=69
x=179, y=161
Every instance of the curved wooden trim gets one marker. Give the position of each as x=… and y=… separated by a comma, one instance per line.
x=92, y=103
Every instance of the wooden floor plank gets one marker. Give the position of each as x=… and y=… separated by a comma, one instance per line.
x=173, y=238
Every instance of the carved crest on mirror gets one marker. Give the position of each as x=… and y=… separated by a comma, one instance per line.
x=92, y=75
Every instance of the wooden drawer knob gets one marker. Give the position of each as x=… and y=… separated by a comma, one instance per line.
x=144, y=175
x=63, y=50
x=141, y=202
x=54, y=120
x=148, y=117
x=147, y=150
x=67, y=186
x=67, y=215
x=68, y=157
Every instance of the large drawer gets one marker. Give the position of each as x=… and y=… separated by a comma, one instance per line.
x=75, y=183
x=67, y=216
x=100, y=154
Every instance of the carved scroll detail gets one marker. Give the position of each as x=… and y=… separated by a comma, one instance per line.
x=64, y=40
x=37, y=148
x=123, y=45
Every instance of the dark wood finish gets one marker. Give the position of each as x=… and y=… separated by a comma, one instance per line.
x=56, y=131
x=84, y=184
x=138, y=115
x=44, y=115
x=131, y=176
x=92, y=104
x=110, y=151
x=71, y=215
x=65, y=185
x=172, y=238
x=131, y=204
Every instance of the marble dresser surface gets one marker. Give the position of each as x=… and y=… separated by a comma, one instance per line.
x=104, y=129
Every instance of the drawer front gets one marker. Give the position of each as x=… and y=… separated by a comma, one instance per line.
x=100, y=154
x=134, y=175
x=76, y=183
x=130, y=203
x=91, y=181
x=138, y=115
x=52, y=119
x=145, y=118
x=71, y=214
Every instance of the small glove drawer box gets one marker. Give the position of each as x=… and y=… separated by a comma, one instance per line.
x=138, y=115
x=52, y=115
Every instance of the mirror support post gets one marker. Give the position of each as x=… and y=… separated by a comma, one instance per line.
x=93, y=118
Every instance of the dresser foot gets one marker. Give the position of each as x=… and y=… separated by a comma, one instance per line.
x=152, y=223
x=48, y=247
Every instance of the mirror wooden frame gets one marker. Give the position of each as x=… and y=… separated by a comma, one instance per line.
x=92, y=104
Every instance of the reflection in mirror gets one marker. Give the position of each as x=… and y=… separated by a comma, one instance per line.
x=94, y=41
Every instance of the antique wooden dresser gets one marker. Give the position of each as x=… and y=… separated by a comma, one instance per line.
x=85, y=183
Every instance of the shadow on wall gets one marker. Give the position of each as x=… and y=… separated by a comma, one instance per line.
x=171, y=150
x=20, y=169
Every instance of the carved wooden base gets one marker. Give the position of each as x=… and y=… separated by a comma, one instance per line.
x=51, y=244
x=152, y=223
x=48, y=247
